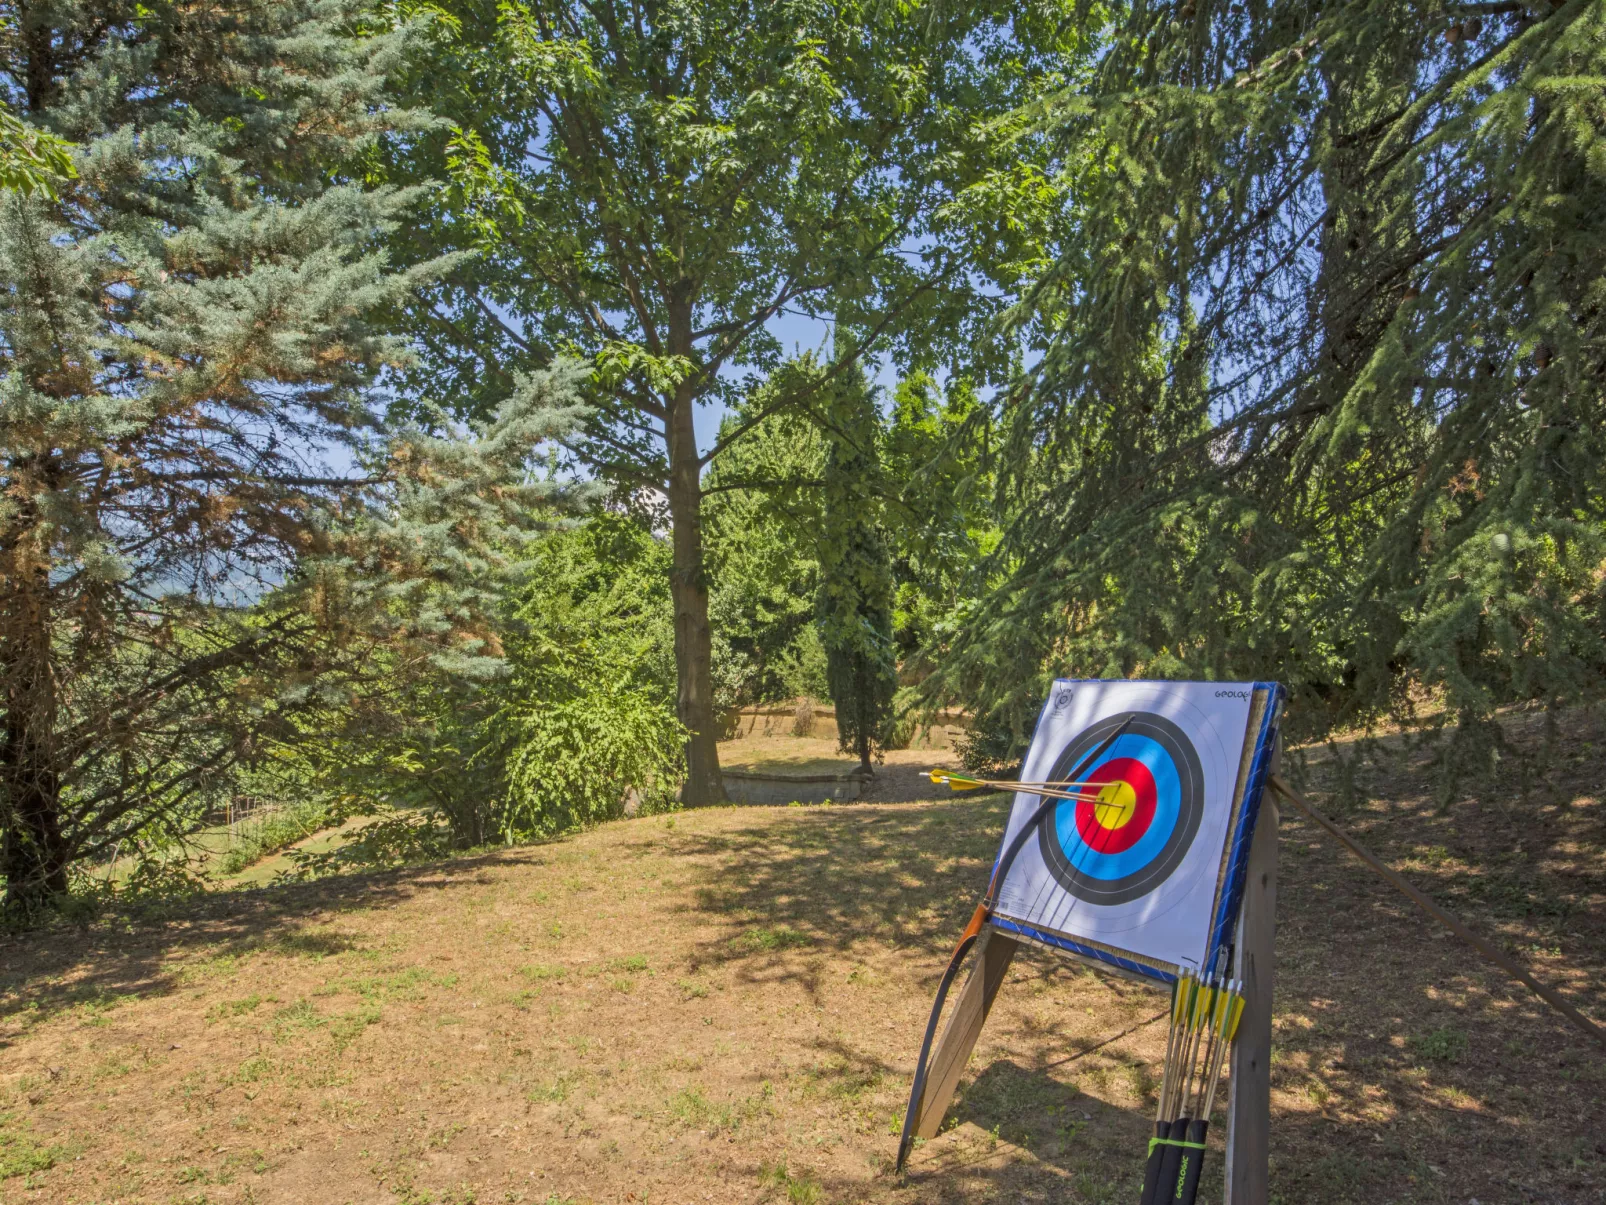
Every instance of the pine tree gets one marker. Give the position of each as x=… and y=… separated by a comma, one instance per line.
x=185, y=406
x=1317, y=390
x=854, y=605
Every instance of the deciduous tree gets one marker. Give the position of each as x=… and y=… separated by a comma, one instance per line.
x=652, y=182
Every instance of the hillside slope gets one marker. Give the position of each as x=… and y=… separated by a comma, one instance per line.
x=724, y=1006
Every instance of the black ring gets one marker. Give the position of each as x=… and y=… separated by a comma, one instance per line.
x=1190, y=775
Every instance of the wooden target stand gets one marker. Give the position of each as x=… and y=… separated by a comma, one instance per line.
x=1248, y=1089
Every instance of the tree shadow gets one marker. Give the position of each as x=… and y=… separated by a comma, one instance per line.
x=51, y=970
x=1405, y=1068
x=1017, y=1132
x=831, y=877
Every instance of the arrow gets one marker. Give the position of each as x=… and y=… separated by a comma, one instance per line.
x=963, y=782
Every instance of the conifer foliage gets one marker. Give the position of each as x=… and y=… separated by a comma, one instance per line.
x=1319, y=392
x=184, y=410
x=854, y=604
x=762, y=507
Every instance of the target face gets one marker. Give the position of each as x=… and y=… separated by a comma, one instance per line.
x=1129, y=840
x=1135, y=867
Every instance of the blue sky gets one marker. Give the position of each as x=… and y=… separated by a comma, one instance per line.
x=798, y=333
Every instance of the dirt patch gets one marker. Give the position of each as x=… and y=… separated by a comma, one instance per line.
x=724, y=1006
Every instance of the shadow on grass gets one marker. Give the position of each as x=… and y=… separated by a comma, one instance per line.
x=93, y=967
x=905, y=876
x=1405, y=1068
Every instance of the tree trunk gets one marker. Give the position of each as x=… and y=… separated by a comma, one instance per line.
x=33, y=856
x=864, y=723
x=694, y=647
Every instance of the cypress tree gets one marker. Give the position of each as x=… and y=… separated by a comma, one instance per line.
x=185, y=408
x=854, y=605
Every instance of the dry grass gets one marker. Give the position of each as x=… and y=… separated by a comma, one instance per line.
x=724, y=1006
x=818, y=754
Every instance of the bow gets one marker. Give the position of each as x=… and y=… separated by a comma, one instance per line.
x=1054, y=795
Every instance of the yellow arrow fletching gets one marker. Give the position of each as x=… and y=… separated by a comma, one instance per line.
x=1201, y=1004
x=1237, y=1014
x=1179, y=1002
x=957, y=781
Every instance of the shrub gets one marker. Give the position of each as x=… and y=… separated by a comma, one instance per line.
x=990, y=745
x=254, y=839
x=579, y=713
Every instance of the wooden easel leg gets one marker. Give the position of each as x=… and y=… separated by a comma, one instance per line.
x=1249, y=1099
x=964, y=1027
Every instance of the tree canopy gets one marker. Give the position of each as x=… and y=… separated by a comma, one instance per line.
x=1316, y=392
x=652, y=183
x=351, y=358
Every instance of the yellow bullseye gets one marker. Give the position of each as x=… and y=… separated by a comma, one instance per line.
x=1115, y=804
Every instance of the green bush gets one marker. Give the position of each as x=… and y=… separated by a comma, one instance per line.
x=254, y=839
x=802, y=667
x=901, y=729
x=589, y=709
x=990, y=745
x=579, y=715
x=580, y=746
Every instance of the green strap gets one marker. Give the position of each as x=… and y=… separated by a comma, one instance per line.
x=1154, y=1142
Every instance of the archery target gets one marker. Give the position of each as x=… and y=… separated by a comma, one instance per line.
x=1135, y=867
x=1133, y=835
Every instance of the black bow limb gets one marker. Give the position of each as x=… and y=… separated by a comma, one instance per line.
x=978, y=921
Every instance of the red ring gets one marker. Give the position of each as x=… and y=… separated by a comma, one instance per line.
x=1113, y=840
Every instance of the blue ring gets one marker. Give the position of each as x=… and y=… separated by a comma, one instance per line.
x=1167, y=808
x=1094, y=877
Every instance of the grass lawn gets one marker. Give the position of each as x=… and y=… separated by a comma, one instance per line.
x=724, y=1005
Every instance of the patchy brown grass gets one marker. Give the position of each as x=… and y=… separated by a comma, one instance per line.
x=900, y=775
x=724, y=1006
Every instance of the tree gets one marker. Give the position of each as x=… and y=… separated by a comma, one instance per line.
x=652, y=182
x=1318, y=386
x=854, y=605
x=762, y=522
x=937, y=461
x=574, y=711
x=184, y=411
x=31, y=159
